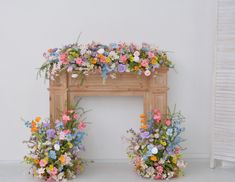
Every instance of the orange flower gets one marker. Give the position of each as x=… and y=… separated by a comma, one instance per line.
x=62, y=159
x=93, y=61
x=33, y=124
x=142, y=116
x=37, y=119
x=36, y=161
x=34, y=129
x=143, y=121
x=154, y=61
x=136, y=68
x=153, y=158
x=144, y=127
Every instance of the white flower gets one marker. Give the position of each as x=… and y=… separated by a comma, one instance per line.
x=147, y=73
x=62, y=135
x=161, y=161
x=41, y=170
x=113, y=66
x=74, y=75
x=154, y=150
x=181, y=164
x=136, y=53
x=70, y=68
x=136, y=147
x=57, y=147
x=61, y=175
x=170, y=174
x=101, y=51
x=47, y=143
x=136, y=59
x=156, y=135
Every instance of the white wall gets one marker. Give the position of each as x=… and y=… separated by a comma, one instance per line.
x=27, y=28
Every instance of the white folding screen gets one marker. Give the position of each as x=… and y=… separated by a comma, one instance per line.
x=223, y=136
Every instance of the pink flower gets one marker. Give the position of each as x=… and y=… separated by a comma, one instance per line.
x=63, y=58
x=150, y=54
x=177, y=150
x=81, y=125
x=75, y=116
x=147, y=73
x=66, y=132
x=168, y=122
x=123, y=58
x=79, y=61
x=144, y=63
x=42, y=163
x=54, y=171
x=157, y=117
x=65, y=118
x=158, y=176
x=159, y=169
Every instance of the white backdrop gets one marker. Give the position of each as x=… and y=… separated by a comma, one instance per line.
x=27, y=28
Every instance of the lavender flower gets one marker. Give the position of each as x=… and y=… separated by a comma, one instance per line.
x=121, y=68
x=50, y=134
x=145, y=134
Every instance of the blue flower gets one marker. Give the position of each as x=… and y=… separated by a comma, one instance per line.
x=69, y=137
x=52, y=154
x=169, y=131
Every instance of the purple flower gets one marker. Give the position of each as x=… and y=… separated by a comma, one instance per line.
x=46, y=124
x=121, y=68
x=144, y=134
x=50, y=134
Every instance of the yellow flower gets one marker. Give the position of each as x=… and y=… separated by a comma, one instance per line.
x=174, y=159
x=163, y=142
x=108, y=60
x=62, y=159
x=51, y=167
x=36, y=161
x=93, y=61
x=70, y=145
x=154, y=61
x=37, y=119
x=153, y=158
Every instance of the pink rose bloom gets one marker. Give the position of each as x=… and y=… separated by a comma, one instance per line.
x=123, y=58
x=159, y=169
x=157, y=117
x=75, y=116
x=79, y=61
x=42, y=163
x=158, y=176
x=168, y=122
x=65, y=118
x=63, y=58
x=81, y=125
x=144, y=63
x=66, y=132
x=151, y=54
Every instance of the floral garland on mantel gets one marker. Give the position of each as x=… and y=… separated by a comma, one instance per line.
x=105, y=59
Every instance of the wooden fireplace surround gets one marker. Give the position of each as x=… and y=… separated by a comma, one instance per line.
x=64, y=89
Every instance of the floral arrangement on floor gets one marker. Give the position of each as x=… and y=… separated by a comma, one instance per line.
x=54, y=152
x=155, y=151
x=105, y=59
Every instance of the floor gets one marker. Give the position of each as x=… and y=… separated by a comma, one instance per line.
x=121, y=172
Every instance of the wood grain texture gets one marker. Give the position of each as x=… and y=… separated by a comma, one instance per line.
x=65, y=89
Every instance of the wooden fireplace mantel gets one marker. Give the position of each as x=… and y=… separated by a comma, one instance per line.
x=65, y=89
